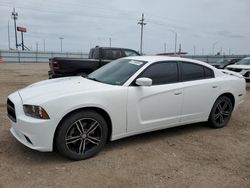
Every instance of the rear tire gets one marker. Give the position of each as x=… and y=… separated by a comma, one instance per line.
x=82, y=135
x=221, y=112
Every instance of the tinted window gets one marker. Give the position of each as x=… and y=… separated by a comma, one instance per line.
x=191, y=71
x=91, y=53
x=111, y=54
x=95, y=54
x=162, y=73
x=209, y=73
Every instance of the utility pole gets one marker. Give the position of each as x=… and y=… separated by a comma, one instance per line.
x=194, y=49
x=180, y=49
x=165, y=47
x=61, y=38
x=9, y=33
x=142, y=23
x=14, y=16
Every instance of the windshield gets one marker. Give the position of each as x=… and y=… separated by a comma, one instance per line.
x=117, y=72
x=244, y=62
x=222, y=61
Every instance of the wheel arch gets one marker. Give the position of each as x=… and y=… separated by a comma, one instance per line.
x=230, y=96
x=96, y=109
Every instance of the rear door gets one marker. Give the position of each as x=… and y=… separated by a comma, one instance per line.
x=200, y=89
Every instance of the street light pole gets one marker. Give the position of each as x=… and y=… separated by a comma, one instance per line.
x=61, y=38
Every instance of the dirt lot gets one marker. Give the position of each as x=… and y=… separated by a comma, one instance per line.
x=187, y=156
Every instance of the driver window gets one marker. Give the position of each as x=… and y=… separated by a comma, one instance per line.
x=162, y=73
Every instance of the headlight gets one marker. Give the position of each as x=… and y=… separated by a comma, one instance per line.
x=35, y=111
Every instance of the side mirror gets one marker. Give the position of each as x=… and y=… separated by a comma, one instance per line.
x=144, y=82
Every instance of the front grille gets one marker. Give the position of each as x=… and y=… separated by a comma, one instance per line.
x=11, y=110
x=235, y=70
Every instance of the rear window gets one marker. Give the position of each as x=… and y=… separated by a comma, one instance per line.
x=110, y=54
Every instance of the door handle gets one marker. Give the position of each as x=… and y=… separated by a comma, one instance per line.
x=177, y=92
x=214, y=86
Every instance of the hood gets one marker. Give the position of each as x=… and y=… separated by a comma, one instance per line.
x=48, y=89
x=239, y=66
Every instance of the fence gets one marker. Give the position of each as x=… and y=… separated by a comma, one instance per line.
x=35, y=57
x=43, y=57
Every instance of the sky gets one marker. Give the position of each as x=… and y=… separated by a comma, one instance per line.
x=202, y=26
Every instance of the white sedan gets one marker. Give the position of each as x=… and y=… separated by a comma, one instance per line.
x=128, y=96
x=242, y=67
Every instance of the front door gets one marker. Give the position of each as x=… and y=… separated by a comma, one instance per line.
x=159, y=105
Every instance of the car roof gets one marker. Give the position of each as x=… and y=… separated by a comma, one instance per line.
x=151, y=59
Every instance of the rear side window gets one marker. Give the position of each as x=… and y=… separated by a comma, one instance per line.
x=162, y=73
x=191, y=71
x=96, y=54
x=91, y=53
x=209, y=73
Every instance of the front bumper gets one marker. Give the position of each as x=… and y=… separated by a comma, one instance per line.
x=34, y=133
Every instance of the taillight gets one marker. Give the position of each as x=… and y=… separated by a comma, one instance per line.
x=55, y=65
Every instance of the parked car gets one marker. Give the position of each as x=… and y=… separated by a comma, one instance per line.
x=242, y=67
x=128, y=96
x=98, y=56
x=222, y=63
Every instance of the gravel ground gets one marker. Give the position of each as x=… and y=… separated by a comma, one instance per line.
x=187, y=156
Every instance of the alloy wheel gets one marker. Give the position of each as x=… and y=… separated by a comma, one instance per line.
x=83, y=135
x=222, y=112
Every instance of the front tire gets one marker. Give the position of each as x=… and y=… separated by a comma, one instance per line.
x=221, y=112
x=82, y=135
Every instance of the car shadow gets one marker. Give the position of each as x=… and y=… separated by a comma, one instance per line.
x=54, y=157
x=156, y=135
